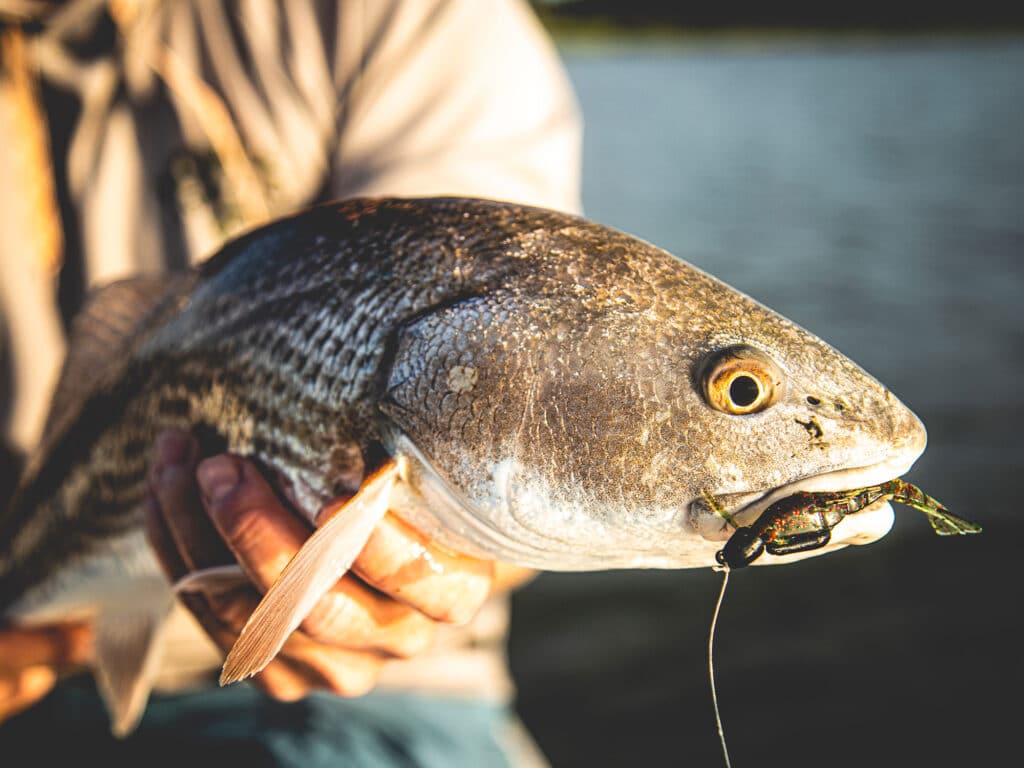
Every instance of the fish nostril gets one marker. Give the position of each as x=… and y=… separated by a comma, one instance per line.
x=813, y=400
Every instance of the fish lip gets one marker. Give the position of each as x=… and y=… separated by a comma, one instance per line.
x=714, y=527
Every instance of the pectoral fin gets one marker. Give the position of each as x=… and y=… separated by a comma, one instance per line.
x=127, y=654
x=212, y=581
x=322, y=560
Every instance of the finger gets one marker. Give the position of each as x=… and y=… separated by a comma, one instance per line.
x=55, y=645
x=287, y=679
x=265, y=536
x=173, y=482
x=303, y=663
x=224, y=616
x=406, y=565
x=397, y=560
x=283, y=683
x=161, y=540
x=508, y=577
x=277, y=679
x=24, y=689
x=353, y=616
x=341, y=671
x=255, y=525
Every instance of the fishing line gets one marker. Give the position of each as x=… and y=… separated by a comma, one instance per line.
x=711, y=662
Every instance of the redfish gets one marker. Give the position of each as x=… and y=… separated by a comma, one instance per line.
x=518, y=384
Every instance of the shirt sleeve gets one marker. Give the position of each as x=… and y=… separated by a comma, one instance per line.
x=453, y=97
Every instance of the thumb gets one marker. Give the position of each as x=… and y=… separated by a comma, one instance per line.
x=24, y=689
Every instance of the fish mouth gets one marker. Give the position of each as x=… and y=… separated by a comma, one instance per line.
x=869, y=524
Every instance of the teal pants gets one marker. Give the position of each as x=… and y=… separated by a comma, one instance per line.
x=240, y=726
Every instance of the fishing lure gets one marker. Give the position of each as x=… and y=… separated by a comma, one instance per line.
x=805, y=520
x=802, y=522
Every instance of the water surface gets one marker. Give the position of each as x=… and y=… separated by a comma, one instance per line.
x=875, y=195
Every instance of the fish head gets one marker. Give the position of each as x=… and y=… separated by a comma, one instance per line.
x=592, y=407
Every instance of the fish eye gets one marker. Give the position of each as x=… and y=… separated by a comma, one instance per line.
x=741, y=380
x=744, y=390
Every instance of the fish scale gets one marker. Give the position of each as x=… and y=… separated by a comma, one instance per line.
x=279, y=312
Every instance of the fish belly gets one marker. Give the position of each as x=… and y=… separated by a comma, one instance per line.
x=122, y=573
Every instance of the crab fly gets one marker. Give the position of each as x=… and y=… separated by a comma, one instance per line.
x=805, y=520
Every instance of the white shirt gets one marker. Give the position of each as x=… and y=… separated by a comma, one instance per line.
x=200, y=119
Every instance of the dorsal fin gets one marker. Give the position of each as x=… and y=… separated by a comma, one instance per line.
x=114, y=319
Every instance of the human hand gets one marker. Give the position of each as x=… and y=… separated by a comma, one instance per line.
x=31, y=658
x=222, y=511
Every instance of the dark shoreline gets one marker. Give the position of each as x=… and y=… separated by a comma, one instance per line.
x=878, y=17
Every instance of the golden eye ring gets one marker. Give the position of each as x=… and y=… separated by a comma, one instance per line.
x=741, y=381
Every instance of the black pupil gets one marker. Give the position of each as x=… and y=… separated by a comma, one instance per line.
x=744, y=391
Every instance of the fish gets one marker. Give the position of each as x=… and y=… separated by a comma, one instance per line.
x=518, y=384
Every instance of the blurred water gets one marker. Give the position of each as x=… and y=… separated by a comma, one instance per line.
x=875, y=195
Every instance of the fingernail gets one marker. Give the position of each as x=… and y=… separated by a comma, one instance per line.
x=171, y=447
x=217, y=477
